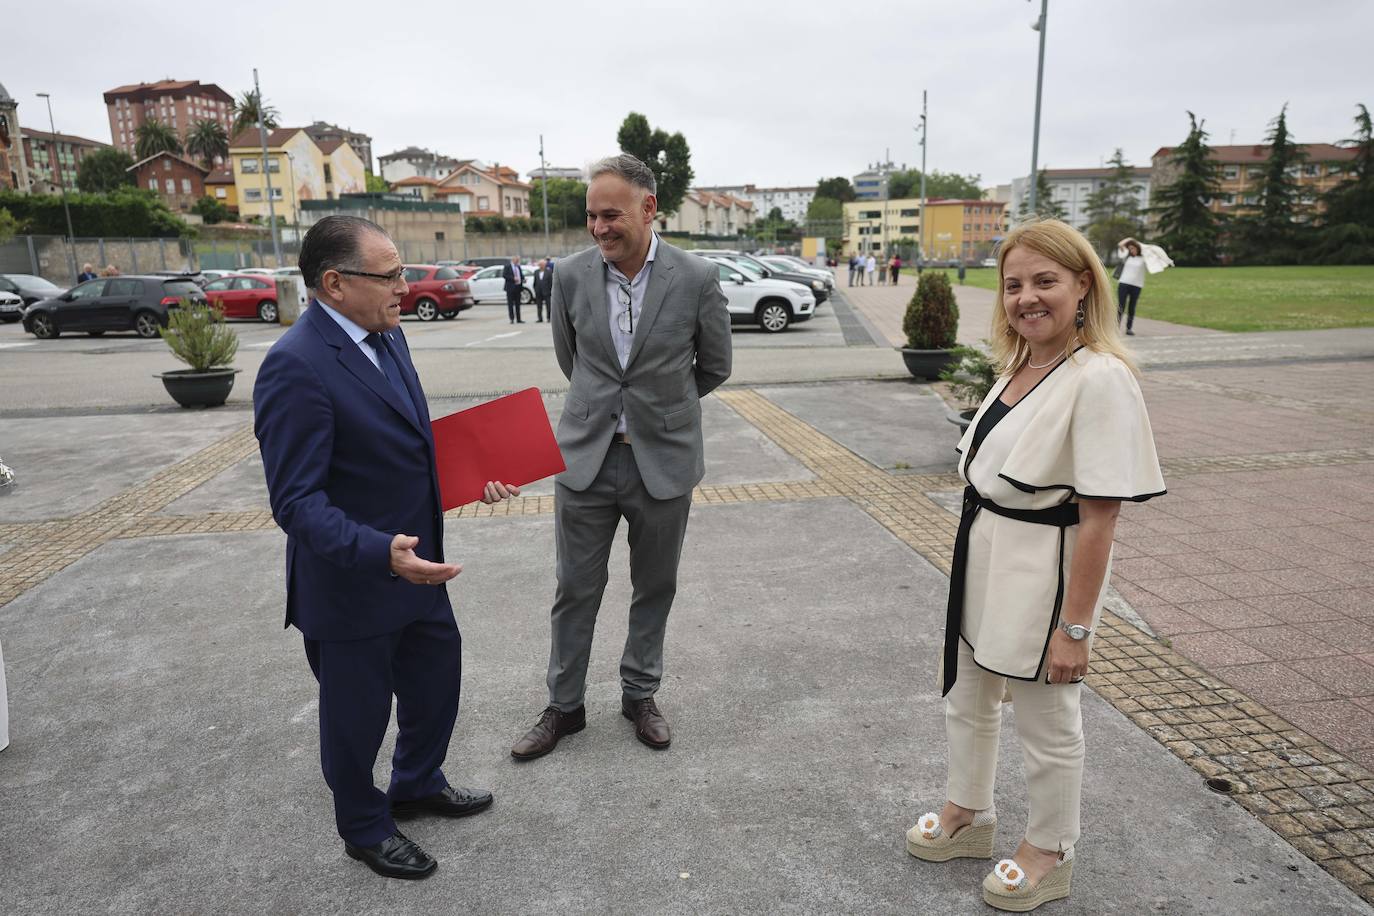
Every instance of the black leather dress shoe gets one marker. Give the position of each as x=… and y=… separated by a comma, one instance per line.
x=394, y=857
x=451, y=802
x=650, y=726
x=553, y=724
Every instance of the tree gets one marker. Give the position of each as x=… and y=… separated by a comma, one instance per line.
x=1273, y=224
x=836, y=189
x=210, y=210
x=207, y=140
x=104, y=170
x=823, y=209
x=153, y=137
x=376, y=184
x=1046, y=207
x=666, y=155
x=1113, y=211
x=1352, y=201
x=938, y=185
x=249, y=108
x=1188, y=228
x=567, y=203
x=9, y=226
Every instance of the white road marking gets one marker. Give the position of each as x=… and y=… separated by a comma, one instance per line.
x=22, y=343
x=477, y=343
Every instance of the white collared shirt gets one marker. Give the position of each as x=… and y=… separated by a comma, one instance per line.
x=355, y=332
x=625, y=341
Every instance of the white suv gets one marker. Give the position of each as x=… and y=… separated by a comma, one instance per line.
x=754, y=299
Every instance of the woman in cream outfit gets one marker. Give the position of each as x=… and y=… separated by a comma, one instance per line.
x=1058, y=443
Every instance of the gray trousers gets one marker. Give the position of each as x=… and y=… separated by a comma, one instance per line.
x=585, y=523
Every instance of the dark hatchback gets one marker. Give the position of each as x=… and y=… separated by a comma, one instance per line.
x=29, y=287
x=137, y=304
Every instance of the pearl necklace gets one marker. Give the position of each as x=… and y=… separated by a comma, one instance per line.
x=1045, y=366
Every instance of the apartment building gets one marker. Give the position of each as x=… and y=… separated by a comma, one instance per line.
x=494, y=190
x=1073, y=188
x=322, y=132
x=299, y=168
x=52, y=160
x=955, y=229
x=1242, y=173
x=792, y=201
x=414, y=162
x=706, y=212
x=176, y=103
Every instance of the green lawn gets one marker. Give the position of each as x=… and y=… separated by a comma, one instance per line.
x=1250, y=298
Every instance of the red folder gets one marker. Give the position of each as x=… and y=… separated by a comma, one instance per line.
x=508, y=439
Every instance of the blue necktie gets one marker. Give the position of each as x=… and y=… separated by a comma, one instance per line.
x=392, y=372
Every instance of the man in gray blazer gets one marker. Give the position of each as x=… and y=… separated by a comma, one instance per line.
x=642, y=332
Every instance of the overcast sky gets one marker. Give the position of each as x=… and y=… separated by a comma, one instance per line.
x=773, y=92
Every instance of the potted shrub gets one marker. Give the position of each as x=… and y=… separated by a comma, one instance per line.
x=971, y=376
x=198, y=336
x=932, y=320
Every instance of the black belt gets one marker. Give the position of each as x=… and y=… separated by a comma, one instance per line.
x=621, y=438
x=1064, y=515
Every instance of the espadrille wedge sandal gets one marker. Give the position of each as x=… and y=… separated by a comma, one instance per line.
x=1007, y=888
x=972, y=841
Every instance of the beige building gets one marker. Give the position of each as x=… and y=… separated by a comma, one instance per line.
x=708, y=213
x=300, y=169
x=1242, y=174
x=955, y=229
x=494, y=191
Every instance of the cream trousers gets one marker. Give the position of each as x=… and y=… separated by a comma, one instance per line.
x=1050, y=726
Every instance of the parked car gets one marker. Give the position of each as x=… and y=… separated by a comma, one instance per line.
x=816, y=285
x=488, y=262
x=11, y=307
x=435, y=292
x=988, y=262
x=244, y=296
x=770, y=303
x=264, y=271
x=30, y=288
x=209, y=276
x=137, y=303
x=789, y=265
x=488, y=285
x=465, y=270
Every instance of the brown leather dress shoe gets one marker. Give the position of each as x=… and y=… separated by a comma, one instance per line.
x=553, y=724
x=650, y=726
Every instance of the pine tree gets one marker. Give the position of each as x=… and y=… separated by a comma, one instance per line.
x=1188, y=229
x=1279, y=203
x=1352, y=201
x=1046, y=207
x=1113, y=211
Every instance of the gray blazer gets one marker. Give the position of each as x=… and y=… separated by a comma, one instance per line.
x=681, y=352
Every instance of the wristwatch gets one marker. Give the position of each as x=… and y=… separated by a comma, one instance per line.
x=1076, y=631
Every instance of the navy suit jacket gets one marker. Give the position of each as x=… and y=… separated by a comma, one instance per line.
x=508, y=274
x=347, y=469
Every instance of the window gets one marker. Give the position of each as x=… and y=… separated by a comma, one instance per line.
x=445, y=273
x=274, y=164
x=248, y=166
x=912, y=228
x=276, y=193
x=870, y=214
x=186, y=186
x=1230, y=172
x=152, y=184
x=125, y=287
x=171, y=185
x=1312, y=169
x=328, y=174
x=252, y=194
x=1254, y=171
x=908, y=213
x=439, y=237
x=484, y=203
x=166, y=165
x=415, y=274
x=221, y=193
x=88, y=290
x=219, y=286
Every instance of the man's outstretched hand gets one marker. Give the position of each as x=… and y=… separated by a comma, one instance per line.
x=408, y=566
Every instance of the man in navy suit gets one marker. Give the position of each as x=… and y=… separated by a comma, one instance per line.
x=344, y=432
x=515, y=283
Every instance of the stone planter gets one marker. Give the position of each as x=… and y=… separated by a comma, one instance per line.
x=962, y=419
x=193, y=388
x=927, y=364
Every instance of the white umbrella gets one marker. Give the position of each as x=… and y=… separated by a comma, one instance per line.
x=1156, y=258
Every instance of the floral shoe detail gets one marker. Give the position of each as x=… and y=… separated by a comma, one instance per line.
x=928, y=841
x=1007, y=888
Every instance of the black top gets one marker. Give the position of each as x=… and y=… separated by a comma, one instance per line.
x=991, y=417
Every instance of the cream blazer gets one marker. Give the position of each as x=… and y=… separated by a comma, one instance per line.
x=1081, y=433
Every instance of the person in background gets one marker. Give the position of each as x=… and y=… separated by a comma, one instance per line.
x=543, y=288
x=882, y=271
x=515, y=283
x=87, y=273
x=110, y=271
x=853, y=267
x=1130, y=274
x=870, y=267
x=893, y=268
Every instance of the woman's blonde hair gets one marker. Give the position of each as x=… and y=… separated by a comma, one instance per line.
x=1067, y=247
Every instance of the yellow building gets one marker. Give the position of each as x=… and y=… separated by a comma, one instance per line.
x=955, y=229
x=299, y=169
x=219, y=184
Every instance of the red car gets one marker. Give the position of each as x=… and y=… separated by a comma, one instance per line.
x=244, y=296
x=435, y=292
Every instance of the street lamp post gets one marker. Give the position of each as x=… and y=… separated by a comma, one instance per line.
x=267, y=172
x=544, y=185
x=1039, y=26
x=921, y=248
x=61, y=183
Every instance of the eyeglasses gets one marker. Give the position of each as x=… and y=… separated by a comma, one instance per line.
x=389, y=279
x=625, y=320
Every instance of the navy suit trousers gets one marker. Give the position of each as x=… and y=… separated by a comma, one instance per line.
x=421, y=664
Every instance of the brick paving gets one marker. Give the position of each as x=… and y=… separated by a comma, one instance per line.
x=1253, y=571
